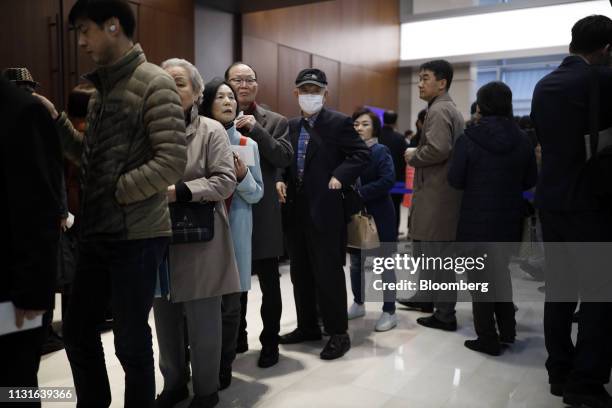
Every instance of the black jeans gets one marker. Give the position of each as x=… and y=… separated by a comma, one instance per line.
x=20, y=359
x=585, y=366
x=125, y=272
x=271, y=302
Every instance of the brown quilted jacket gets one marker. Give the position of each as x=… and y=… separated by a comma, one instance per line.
x=132, y=150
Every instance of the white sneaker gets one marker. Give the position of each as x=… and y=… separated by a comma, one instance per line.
x=356, y=310
x=386, y=322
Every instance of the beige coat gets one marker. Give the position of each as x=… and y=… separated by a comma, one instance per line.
x=206, y=269
x=435, y=204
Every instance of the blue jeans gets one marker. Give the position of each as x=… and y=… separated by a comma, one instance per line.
x=357, y=279
x=124, y=272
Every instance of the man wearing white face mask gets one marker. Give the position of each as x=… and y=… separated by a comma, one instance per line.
x=328, y=156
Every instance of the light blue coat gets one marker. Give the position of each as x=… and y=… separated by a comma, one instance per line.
x=248, y=192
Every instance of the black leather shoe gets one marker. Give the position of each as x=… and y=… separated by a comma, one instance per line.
x=425, y=307
x=557, y=389
x=490, y=348
x=433, y=323
x=225, y=378
x=336, y=347
x=600, y=400
x=268, y=357
x=207, y=401
x=298, y=336
x=169, y=398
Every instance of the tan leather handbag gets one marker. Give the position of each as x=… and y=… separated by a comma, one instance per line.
x=362, y=232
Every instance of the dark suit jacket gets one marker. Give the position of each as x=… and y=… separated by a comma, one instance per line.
x=335, y=149
x=397, y=146
x=275, y=152
x=31, y=201
x=560, y=114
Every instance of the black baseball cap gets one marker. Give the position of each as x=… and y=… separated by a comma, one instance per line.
x=311, y=76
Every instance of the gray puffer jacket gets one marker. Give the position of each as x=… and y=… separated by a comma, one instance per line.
x=132, y=150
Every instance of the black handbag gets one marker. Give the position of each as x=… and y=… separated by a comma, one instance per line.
x=192, y=222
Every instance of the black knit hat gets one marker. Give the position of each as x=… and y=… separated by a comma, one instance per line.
x=20, y=76
x=495, y=99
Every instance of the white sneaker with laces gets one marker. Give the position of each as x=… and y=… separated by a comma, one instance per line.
x=356, y=310
x=386, y=322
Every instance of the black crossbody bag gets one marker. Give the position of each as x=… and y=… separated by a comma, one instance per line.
x=192, y=222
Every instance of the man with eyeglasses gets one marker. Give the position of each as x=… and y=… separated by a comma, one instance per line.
x=269, y=129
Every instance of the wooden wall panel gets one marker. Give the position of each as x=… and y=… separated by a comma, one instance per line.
x=332, y=71
x=263, y=56
x=165, y=35
x=361, y=36
x=30, y=38
x=290, y=63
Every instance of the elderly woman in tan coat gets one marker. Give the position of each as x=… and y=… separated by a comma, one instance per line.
x=199, y=272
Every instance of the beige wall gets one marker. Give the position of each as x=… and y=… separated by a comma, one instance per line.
x=429, y=6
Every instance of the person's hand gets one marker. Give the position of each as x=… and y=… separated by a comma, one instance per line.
x=281, y=190
x=48, y=104
x=409, y=153
x=171, y=193
x=247, y=122
x=64, y=224
x=21, y=314
x=240, y=168
x=334, y=184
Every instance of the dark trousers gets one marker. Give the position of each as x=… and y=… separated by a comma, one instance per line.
x=20, y=359
x=230, y=318
x=358, y=283
x=585, y=366
x=397, y=202
x=494, y=307
x=443, y=302
x=271, y=302
x=317, y=273
x=125, y=272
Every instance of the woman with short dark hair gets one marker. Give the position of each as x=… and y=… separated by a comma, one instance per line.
x=375, y=183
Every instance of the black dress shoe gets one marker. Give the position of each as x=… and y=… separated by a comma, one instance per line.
x=298, y=336
x=425, y=307
x=557, y=389
x=434, y=323
x=491, y=348
x=225, y=378
x=600, y=400
x=207, y=401
x=336, y=347
x=169, y=398
x=268, y=357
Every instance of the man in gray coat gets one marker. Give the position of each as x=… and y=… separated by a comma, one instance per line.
x=435, y=204
x=269, y=130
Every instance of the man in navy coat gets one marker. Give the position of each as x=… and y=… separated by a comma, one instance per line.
x=328, y=157
x=571, y=213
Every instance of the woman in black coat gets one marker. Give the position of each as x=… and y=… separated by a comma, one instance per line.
x=376, y=182
x=493, y=163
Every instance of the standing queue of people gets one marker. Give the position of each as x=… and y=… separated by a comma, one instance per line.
x=160, y=135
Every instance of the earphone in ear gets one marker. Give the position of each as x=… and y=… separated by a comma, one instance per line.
x=112, y=28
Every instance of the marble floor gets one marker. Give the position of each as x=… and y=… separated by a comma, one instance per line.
x=409, y=366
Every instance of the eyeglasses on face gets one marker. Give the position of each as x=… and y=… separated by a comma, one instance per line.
x=239, y=81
